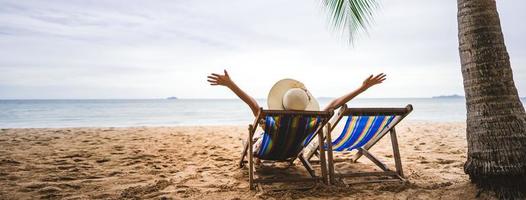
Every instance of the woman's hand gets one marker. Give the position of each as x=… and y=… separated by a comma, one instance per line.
x=224, y=80
x=370, y=81
x=218, y=79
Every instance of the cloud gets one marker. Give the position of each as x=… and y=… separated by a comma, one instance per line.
x=132, y=49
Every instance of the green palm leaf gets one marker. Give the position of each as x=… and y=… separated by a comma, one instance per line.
x=350, y=17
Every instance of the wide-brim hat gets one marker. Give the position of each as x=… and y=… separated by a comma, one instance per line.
x=277, y=92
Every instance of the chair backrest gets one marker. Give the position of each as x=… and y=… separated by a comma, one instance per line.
x=286, y=133
x=366, y=124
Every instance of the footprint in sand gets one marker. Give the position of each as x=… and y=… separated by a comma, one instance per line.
x=145, y=191
x=422, y=160
x=9, y=162
x=456, y=151
x=133, y=162
x=103, y=160
x=66, y=167
x=442, y=161
x=80, y=155
x=49, y=190
x=114, y=173
x=186, y=192
x=12, y=178
x=33, y=186
x=221, y=158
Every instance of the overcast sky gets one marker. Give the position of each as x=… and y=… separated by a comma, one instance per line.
x=155, y=49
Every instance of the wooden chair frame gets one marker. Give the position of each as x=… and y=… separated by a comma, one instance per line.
x=398, y=174
x=248, y=149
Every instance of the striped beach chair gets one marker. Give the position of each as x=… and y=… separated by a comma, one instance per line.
x=285, y=135
x=363, y=128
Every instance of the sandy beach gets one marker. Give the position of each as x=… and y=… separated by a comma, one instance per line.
x=201, y=162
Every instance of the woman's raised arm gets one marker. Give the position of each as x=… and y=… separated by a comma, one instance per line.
x=367, y=83
x=224, y=80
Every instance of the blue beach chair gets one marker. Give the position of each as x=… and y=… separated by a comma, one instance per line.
x=363, y=128
x=285, y=135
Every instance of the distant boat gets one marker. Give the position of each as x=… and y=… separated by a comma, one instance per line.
x=454, y=96
x=171, y=98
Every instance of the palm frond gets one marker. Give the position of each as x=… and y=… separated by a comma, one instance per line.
x=350, y=17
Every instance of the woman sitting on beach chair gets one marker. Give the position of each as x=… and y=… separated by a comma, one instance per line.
x=289, y=94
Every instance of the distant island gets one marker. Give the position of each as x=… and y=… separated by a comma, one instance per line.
x=171, y=98
x=454, y=96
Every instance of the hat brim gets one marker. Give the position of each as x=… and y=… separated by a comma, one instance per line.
x=275, y=95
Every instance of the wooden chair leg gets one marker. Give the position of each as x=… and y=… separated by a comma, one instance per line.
x=396, y=153
x=330, y=160
x=307, y=165
x=367, y=147
x=369, y=144
x=250, y=159
x=323, y=161
x=315, y=153
x=243, y=154
x=375, y=160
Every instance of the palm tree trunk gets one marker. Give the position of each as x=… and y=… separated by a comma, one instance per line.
x=496, y=120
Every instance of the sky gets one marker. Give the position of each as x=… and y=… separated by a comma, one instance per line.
x=75, y=49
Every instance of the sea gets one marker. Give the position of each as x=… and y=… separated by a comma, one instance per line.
x=187, y=112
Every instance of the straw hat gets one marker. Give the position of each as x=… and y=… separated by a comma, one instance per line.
x=290, y=94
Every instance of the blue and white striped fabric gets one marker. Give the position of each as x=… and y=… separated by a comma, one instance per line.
x=359, y=130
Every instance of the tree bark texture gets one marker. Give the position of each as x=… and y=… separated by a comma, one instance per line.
x=496, y=120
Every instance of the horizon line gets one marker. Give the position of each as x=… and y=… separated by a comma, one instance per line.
x=211, y=98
